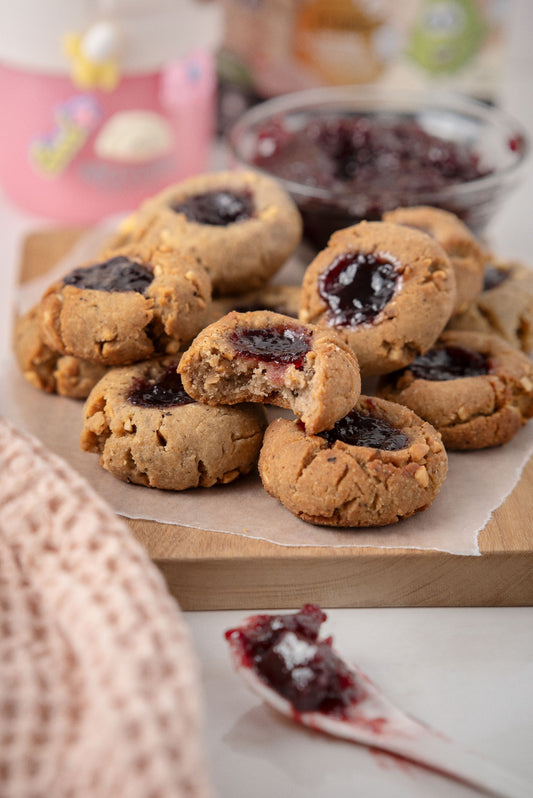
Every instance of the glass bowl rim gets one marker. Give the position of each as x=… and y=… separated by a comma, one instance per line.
x=392, y=99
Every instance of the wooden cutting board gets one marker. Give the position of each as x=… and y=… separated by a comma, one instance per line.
x=208, y=570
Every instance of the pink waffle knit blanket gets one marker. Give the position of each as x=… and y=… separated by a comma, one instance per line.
x=99, y=692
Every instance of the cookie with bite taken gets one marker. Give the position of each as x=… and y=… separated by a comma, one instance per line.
x=267, y=357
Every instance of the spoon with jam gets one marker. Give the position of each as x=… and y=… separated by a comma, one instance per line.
x=283, y=659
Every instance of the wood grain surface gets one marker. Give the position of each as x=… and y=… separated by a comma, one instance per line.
x=211, y=570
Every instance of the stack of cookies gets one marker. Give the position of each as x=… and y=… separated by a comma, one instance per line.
x=177, y=339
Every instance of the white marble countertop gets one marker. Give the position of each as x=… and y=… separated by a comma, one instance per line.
x=467, y=672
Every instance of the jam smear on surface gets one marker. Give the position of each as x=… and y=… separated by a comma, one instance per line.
x=494, y=277
x=286, y=652
x=356, y=287
x=516, y=143
x=166, y=391
x=449, y=363
x=217, y=208
x=119, y=274
x=284, y=345
x=359, y=429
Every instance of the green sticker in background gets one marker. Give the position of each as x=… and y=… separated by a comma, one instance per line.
x=446, y=35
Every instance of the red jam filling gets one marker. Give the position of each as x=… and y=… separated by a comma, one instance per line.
x=356, y=287
x=371, y=164
x=118, y=274
x=167, y=391
x=359, y=429
x=449, y=363
x=217, y=208
x=283, y=345
x=286, y=652
x=494, y=277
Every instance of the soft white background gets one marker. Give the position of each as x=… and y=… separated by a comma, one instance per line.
x=467, y=672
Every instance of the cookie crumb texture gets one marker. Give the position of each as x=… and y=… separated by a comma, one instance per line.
x=172, y=447
x=411, y=319
x=284, y=299
x=239, y=255
x=118, y=327
x=461, y=246
x=48, y=370
x=473, y=412
x=270, y=358
x=343, y=485
x=504, y=307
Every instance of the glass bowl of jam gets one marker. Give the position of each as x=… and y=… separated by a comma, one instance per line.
x=351, y=153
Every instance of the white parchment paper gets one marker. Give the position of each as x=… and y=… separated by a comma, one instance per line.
x=477, y=482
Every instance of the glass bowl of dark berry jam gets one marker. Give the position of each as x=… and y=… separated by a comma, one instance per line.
x=351, y=153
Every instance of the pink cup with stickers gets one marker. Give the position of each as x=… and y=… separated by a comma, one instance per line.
x=104, y=109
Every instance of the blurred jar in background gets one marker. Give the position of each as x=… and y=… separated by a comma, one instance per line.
x=105, y=101
x=271, y=47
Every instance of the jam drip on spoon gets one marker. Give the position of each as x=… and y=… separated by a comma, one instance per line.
x=358, y=711
x=284, y=345
x=286, y=652
x=358, y=429
x=449, y=363
x=118, y=274
x=494, y=277
x=217, y=208
x=356, y=287
x=167, y=391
